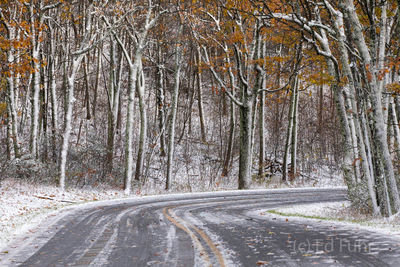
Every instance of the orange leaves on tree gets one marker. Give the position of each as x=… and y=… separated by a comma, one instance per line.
x=368, y=72
x=319, y=78
x=393, y=88
x=3, y=108
x=382, y=73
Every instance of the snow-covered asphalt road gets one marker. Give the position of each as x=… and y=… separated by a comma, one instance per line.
x=209, y=229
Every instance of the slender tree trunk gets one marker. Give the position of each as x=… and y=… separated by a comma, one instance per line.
x=9, y=134
x=44, y=115
x=64, y=88
x=285, y=176
x=76, y=59
x=200, y=97
x=190, y=117
x=293, y=158
x=322, y=140
x=160, y=103
x=261, y=125
x=96, y=86
x=254, y=114
x=143, y=123
x=231, y=139
x=232, y=123
x=174, y=106
x=33, y=147
x=396, y=127
x=11, y=96
x=87, y=88
x=53, y=92
x=245, y=159
x=36, y=34
x=263, y=84
x=68, y=120
x=129, y=130
x=111, y=120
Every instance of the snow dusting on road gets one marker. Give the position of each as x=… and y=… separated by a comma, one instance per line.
x=23, y=205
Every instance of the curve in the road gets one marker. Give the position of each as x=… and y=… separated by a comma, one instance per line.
x=204, y=230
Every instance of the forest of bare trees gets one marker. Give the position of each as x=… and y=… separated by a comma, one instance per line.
x=199, y=95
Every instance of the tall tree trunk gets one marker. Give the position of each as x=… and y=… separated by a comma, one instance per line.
x=322, y=141
x=36, y=34
x=68, y=119
x=261, y=125
x=33, y=147
x=53, y=93
x=9, y=140
x=96, y=86
x=285, y=176
x=143, y=123
x=232, y=122
x=44, y=115
x=231, y=139
x=293, y=157
x=245, y=159
x=129, y=130
x=174, y=105
x=11, y=96
x=76, y=59
x=396, y=127
x=200, y=97
x=110, y=118
x=160, y=103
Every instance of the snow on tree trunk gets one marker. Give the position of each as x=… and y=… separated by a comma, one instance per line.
x=245, y=158
x=200, y=98
x=261, y=125
x=76, y=58
x=68, y=120
x=13, y=119
x=289, y=131
x=395, y=127
x=35, y=104
x=129, y=130
x=232, y=122
x=160, y=103
x=143, y=123
x=293, y=157
x=231, y=138
x=174, y=105
x=111, y=93
x=376, y=100
x=53, y=92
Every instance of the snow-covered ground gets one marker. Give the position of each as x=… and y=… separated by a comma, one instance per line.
x=339, y=212
x=23, y=205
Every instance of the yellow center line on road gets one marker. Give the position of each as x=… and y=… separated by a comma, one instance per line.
x=213, y=247
x=203, y=252
x=203, y=235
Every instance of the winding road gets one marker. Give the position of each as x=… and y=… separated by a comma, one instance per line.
x=204, y=229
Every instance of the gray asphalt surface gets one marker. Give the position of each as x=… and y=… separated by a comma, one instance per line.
x=210, y=230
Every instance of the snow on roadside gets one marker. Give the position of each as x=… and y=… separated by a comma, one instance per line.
x=23, y=204
x=324, y=209
x=340, y=212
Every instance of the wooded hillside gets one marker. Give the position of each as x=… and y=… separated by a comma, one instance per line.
x=179, y=95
